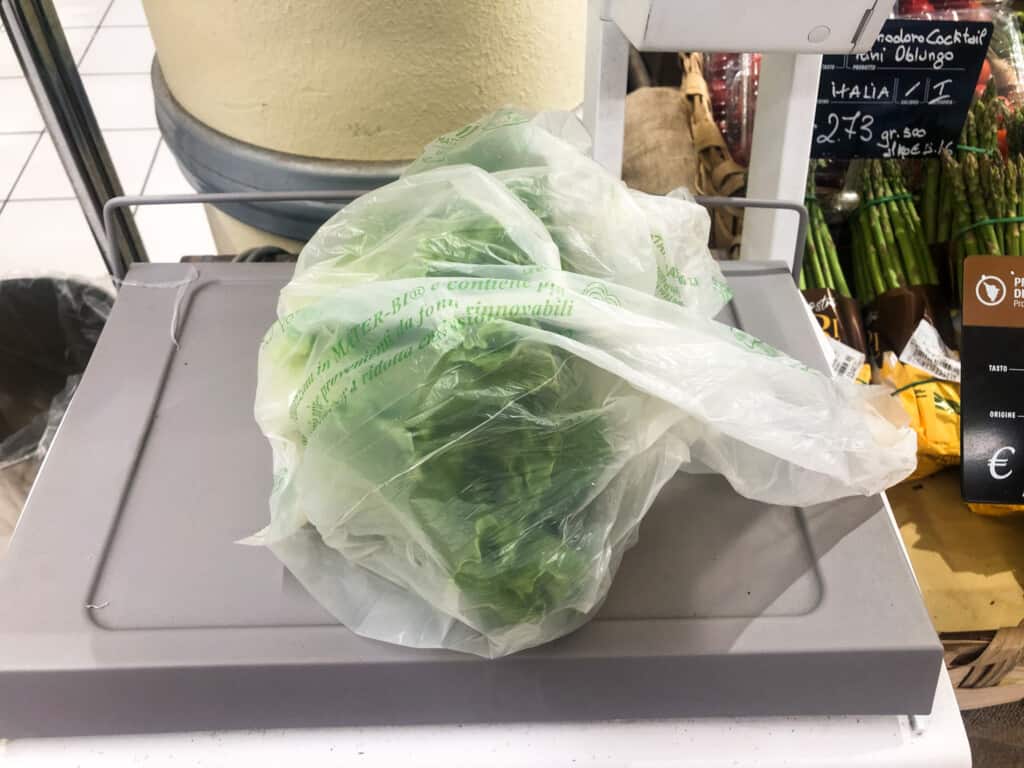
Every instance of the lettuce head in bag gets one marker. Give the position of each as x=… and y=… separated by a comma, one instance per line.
x=482, y=375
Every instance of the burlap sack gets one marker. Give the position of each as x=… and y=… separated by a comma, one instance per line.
x=671, y=140
x=658, y=153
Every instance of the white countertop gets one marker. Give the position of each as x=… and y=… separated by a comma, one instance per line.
x=885, y=742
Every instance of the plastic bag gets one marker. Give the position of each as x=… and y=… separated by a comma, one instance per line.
x=733, y=80
x=467, y=434
x=596, y=224
x=48, y=328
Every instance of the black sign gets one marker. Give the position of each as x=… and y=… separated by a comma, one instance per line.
x=906, y=97
x=992, y=380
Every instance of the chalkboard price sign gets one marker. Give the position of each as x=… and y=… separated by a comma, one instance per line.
x=906, y=97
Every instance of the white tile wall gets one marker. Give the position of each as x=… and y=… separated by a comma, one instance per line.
x=78, y=40
x=43, y=176
x=18, y=111
x=132, y=152
x=47, y=237
x=81, y=13
x=172, y=231
x=121, y=101
x=42, y=228
x=119, y=50
x=15, y=149
x=126, y=13
x=166, y=177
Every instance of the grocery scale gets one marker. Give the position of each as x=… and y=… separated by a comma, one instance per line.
x=736, y=633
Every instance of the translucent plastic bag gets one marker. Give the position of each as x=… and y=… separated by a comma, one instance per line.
x=467, y=433
x=598, y=226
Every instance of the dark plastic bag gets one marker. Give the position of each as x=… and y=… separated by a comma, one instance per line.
x=48, y=329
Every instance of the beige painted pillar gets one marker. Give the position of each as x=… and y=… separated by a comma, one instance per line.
x=364, y=80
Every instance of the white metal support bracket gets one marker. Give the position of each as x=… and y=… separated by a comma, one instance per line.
x=783, y=127
x=604, y=91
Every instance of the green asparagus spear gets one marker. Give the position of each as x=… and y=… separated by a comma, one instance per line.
x=925, y=265
x=819, y=277
x=986, y=234
x=832, y=254
x=988, y=173
x=970, y=129
x=998, y=175
x=989, y=93
x=997, y=114
x=823, y=242
x=827, y=251
x=930, y=199
x=980, y=126
x=966, y=239
x=1020, y=189
x=829, y=280
x=812, y=261
x=904, y=242
x=858, y=261
x=943, y=227
x=1007, y=210
x=865, y=289
x=872, y=264
x=1012, y=206
x=1015, y=133
x=1013, y=187
x=962, y=139
x=892, y=258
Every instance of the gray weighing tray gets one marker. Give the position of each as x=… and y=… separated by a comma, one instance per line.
x=125, y=606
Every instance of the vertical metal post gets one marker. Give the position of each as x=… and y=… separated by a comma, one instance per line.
x=604, y=89
x=780, y=151
x=39, y=43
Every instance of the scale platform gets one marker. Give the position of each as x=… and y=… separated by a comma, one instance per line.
x=126, y=607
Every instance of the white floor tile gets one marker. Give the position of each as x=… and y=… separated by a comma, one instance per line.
x=81, y=13
x=18, y=111
x=120, y=101
x=126, y=13
x=45, y=178
x=9, y=66
x=14, y=151
x=119, y=50
x=132, y=153
x=166, y=177
x=170, y=232
x=78, y=40
x=48, y=237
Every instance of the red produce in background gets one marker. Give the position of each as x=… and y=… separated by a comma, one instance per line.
x=732, y=82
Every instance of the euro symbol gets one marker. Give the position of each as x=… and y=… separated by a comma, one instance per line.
x=998, y=462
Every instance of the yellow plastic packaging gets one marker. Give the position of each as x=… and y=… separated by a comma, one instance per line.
x=934, y=410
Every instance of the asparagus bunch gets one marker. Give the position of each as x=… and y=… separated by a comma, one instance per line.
x=821, y=267
x=889, y=245
x=980, y=136
x=988, y=197
x=1015, y=131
